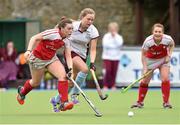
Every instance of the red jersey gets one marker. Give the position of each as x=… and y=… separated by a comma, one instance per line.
x=46, y=49
x=155, y=51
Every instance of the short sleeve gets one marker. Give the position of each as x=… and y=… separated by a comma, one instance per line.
x=67, y=42
x=50, y=34
x=170, y=40
x=94, y=33
x=145, y=45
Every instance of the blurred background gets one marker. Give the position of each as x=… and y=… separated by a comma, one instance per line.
x=21, y=19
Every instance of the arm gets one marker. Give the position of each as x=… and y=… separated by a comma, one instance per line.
x=93, y=53
x=143, y=59
x=68, y=57
x=170, y=50
x=32, y=43
x=93, y=50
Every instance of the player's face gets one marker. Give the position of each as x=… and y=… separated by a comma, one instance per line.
x=67, y=30
x=157, y=33
x=87, y=20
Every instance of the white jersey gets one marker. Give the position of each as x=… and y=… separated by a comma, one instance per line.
x=80, y=40
x=111, y=46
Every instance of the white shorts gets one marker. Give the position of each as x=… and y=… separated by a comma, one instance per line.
x=155, y=63
x=37, y=63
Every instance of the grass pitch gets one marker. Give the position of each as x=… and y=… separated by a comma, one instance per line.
x=37, y=109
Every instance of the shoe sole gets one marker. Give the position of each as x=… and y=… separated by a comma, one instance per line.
x=167, y=107
x=67, y=107
x=136, y=107
x=21, y=102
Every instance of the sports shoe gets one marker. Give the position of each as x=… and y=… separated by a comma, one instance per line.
x=20, y=98
x=137, y=105
x=54, y=104
x=66, y=106
x=167, y=105
x=74, y=98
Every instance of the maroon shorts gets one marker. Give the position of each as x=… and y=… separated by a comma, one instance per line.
x=73, y=54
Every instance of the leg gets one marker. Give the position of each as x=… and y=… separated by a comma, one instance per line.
x=107, y=77
x=70, y=85
x=81, y=76
x=58, y=70
x=143, y=88
x=56, y=99
x=105, y=85
x=114, y=72
x=30, y=84
x=165, y=85
x=78, y=65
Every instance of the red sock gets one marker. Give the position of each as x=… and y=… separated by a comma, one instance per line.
x=27, y=88
x=143, y=88
x=165, y=88
x=63, y=90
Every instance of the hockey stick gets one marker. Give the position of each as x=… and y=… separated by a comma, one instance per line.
x=103, y=97
x=123, y=90
x=98, y=114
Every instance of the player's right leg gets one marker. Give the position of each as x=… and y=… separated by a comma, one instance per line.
x=29, y=84
x=143, y=88
x=63, y=92
x=55, y=100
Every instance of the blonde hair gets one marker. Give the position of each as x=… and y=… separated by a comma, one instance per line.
x=113, y=24
x=158, y=25
x=86, y=11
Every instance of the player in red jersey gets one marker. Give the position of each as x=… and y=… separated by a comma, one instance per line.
x=156, y=53
x=41, y=54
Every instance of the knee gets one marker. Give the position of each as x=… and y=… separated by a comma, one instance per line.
x=85, y=70
x=145, y=81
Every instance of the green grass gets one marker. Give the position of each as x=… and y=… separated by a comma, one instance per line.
x=38, y=110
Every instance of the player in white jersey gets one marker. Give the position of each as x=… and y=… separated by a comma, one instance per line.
x=41, y=54
x=156, y=53
x=83, y=40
